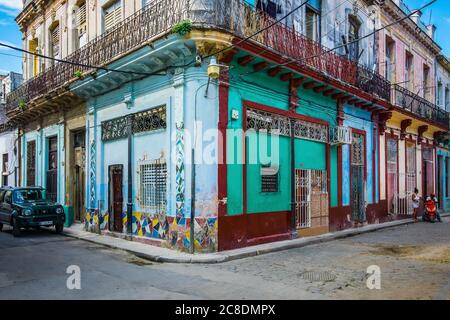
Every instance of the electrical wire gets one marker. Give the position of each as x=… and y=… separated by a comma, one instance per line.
x=79, y=64
x=257, y=32
x=300, y=61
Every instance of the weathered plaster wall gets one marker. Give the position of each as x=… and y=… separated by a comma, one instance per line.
x=41, y=138
x=8, y=141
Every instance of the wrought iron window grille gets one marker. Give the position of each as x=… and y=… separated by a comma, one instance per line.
x=149, y=120
x=152, y=184
x=262, y=121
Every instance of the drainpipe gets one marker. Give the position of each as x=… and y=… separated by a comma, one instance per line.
x=192, y=229
x=130, y=180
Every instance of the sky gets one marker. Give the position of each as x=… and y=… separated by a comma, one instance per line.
x=9, y=31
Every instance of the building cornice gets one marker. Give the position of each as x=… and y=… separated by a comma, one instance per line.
x=444, y=62
x=390, y=8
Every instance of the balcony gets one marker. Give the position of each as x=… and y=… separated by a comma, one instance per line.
x=419, y=106
x=231, y=16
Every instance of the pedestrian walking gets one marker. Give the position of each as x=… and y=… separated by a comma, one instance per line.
x=415, y=203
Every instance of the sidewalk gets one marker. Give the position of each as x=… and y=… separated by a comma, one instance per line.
x=159, y=254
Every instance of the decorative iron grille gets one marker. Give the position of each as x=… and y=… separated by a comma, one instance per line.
x=149, y=120
x=272, y=123
x=310, y=131
x=310, y=185
x=358, y=150
x=268, y=122
x=413, y=103
x=153, y=185
x=232, y=16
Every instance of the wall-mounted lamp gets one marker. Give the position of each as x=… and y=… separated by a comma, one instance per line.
x=213, y=69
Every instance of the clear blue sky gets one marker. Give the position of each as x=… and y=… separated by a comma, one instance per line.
x=9, y=31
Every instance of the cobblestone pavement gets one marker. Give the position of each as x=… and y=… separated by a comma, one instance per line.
x=414, y=261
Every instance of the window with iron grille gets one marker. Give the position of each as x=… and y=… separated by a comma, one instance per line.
x=269, y=178
x=153, y=184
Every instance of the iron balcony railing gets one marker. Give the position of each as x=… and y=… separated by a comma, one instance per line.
x=419, y=106
x=232, y=16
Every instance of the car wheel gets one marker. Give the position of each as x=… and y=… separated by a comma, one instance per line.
x=1, y=227
x=16, y=228
x=59, y=228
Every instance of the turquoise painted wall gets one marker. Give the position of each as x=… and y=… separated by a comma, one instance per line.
x=271, y=91
x=443, y=178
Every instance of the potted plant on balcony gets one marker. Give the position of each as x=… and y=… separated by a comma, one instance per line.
x=183, y=27
x=22, y=105
x=78, y=74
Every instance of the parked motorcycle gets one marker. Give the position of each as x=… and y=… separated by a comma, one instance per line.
x=430, y=210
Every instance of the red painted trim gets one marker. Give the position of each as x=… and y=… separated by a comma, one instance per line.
x=267, y=239
x=222, y=127
x=374, y=173
x=327, y=155
x=339, y=170
x=244, y=160
x=285, y=113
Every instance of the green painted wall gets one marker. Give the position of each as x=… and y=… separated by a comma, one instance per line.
x=273, y=92
x=310, y=155
x=258, y=201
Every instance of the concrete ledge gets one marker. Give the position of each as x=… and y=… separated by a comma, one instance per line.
x=159, y=254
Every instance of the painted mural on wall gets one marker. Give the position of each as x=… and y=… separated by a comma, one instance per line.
x=175, y=231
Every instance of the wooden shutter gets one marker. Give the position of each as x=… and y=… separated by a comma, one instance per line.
x=81, y=15
x=113, y=15
x=55, y=41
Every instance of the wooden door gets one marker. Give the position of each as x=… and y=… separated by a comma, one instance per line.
x=357, y=176
x=31, y=163
x=116, y=196
x=392, y=175
x=52, y=169
x=427, y=171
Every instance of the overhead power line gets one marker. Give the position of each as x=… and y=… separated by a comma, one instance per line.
x=346, y=44
x=82, y=64
x=258, y=32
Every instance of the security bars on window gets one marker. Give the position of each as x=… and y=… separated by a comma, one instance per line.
x=153, y=185
x=149, y=120
x=276, y=124
x=269, y=179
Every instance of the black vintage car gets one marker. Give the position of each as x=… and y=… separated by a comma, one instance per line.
x=29, y=208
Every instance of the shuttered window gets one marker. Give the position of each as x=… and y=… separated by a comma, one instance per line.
x=81, y=14
x=112, y=15
x=81, y=24
x=55, y=41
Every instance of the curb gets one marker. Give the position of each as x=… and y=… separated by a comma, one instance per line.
x=249, y=251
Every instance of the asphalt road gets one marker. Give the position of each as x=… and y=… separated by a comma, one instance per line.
x=414, y=261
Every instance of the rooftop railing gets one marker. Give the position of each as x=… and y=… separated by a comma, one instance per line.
x=232, y=16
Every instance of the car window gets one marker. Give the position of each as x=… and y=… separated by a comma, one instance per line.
x=29, y=195
x=8, y=195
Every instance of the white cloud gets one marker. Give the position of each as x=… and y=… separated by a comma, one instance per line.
x=13, y=4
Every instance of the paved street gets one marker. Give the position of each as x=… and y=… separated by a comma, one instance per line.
x=414, y=261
